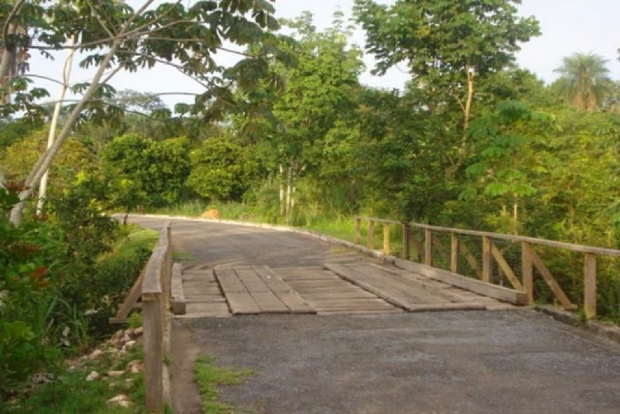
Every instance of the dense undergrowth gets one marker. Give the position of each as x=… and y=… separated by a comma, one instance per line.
x=63, y=274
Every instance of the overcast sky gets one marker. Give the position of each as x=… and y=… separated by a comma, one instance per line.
x=567, y=26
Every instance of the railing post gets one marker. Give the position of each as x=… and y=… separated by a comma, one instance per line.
x=406, y=237
x=371, y=230
x=527, y=269
x=454, y=253
x=358, y=230
x=386, y=238
x=428, y=247
x=153, y=351
x=589, y=285
x=487, y=259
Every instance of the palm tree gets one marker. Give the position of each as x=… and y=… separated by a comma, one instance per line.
x=583, y=81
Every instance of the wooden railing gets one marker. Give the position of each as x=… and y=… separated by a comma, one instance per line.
x=153, y=287
x=155, y=304
x=429, y=249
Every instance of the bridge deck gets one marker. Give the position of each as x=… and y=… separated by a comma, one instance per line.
x=338, y=288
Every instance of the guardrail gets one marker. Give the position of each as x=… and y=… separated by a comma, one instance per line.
x=155, y=296
x=489, y=262
x=153, y=287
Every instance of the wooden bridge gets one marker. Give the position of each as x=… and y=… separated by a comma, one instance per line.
x=233, y=270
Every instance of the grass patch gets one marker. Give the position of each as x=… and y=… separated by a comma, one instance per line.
x=181, y=255
x=209, y=377
x=137, y=238
x=70, y=393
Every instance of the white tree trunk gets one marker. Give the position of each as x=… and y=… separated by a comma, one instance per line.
x=52, y=134
x=289, y=187
x=281, y=180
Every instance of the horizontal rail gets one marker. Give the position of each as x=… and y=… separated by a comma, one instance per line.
x=542, y=242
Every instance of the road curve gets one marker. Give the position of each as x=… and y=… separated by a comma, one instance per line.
x=449, y=362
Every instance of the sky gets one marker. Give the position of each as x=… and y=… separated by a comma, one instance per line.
x=568, y=26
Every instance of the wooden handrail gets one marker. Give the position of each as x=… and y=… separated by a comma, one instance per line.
x=491, y=255
x=155, y=294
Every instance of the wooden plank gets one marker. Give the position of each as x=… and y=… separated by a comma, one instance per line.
x=499, y=258
x=152, y=319
x=391, y=294
x=553, y=284
x=531, y=240
x=242, y=303
x=130, y=300
x=388, y=280
x=487, y=260
x=283, y=291
x=527, y=269
x=176, y=291
x=268, y=302
x=252, y=282
x=454, y=253
x=464, y=282
x=440, y=250
x=471, y=259
x=589, y=282
x=229, y=281
x=435, y=287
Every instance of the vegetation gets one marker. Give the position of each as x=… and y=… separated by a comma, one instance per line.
x=210, y=377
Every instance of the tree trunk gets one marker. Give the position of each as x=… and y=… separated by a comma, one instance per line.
x=515, y=213
x=289, y=187
x=281, y=182
x=52, y=134
x=470, y=95
x=6, y=69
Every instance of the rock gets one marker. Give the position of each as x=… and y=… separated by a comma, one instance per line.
x=96, y=353
x=137, y=333
x=93, y=376
x=42, y=378
x=128, y=345
x=115, y=374
x=134, y=367
x=211, y=214
x=121, y=400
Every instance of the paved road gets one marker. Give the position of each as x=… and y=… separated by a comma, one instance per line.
x=443, y=363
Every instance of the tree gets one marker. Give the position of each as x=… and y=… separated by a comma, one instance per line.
x=157, y=169
x=114, y=37
x=220, y=170
x=446, y=44
x=584, y=80
x=319, y=90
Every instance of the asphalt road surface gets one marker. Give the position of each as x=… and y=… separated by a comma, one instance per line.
x=443, y=362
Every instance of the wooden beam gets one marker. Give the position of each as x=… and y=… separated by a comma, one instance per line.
x=589, y=285
x=358, y=231
x=553, y=284
x=428, y=247
x=471, y=259
x=464, y=282
x=152, y=319
x=510, y=274
x=527, y=269
x=454, y=253
x=440, y=250
x=487, y=260
x=130, y=300
x=178, y=305
x=371, y=230
x=386, y=239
